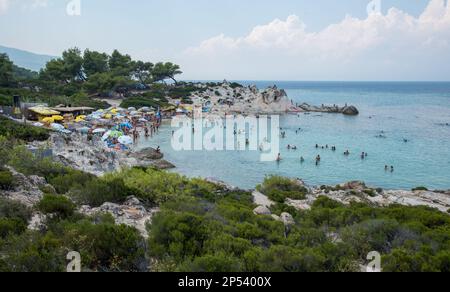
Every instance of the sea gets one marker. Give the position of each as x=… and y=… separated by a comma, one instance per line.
x=401, y=124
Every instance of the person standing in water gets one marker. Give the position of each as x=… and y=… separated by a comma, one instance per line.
x=279, y=157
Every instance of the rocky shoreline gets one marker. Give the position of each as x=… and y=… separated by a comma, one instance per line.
x=231, y=98
x=29, y=190
x=356, y=192
x=74, y=151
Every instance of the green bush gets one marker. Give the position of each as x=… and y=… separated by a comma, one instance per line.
x=279, y=189
x=12, y=129
x=420, y=189
x=96, y=192
x=6, y=180
x=138, y=102
x=13, y=210
x=10, y=227
x=58, y=205
x=73, y=179
x=5, y=100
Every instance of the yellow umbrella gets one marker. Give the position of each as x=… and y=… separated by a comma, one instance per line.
x=58, y=118
x=108, y=116
x=114, y=111
x=83, y=117
x=79, y=120
x=48, y=120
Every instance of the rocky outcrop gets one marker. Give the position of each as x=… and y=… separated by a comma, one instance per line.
x=94, y=158
x=262, y=210
x=350, y=111
x=147, y=154
x=273, y=95
x=131, y=213
x=26, y=190
x=346, y=110
x=227, y=99
x=162, y=164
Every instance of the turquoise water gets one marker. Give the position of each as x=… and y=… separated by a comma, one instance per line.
x=417, y=112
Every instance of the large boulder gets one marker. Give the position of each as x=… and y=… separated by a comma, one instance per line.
x=287, y=219
x=262, y=210
x=131, y=213
x=163, y=164
x=26, y=190
x=350, y=111
x=148, y=154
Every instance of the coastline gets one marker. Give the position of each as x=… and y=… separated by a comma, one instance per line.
x=76, y=153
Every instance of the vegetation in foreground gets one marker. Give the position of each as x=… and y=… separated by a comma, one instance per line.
x=204, y=227
x=201, y=226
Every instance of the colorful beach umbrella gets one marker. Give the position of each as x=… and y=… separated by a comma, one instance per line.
x=115, y=134
x=125, y=140
x=48, y=120
x=58, y=118
x=99, y=131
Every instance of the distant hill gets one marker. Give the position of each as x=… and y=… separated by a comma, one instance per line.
x=27, y=60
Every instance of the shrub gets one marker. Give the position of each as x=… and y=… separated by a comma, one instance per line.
x=99, y=191
x=58, y=205
x=13, y=210
x=5, y=100
x=12, y=129
x=74, y=178
x=419, y=189
x=105, y=247
x=279, y=189
x=138, y=102
x=6, y=180
x=10, y=227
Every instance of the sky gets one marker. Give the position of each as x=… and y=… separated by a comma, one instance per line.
x=247, y=39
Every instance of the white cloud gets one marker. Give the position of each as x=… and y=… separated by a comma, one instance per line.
x=396, y=45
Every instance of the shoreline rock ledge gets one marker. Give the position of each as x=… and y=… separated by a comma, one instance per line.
x=346, y=110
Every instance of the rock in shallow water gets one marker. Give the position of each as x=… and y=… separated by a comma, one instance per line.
x=350, y=111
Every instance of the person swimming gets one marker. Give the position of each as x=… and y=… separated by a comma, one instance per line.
x=293, y=147
x=347, y=153
x=302, y=160
x=363, y=155
x=392, y=168
x=279, y=157
x=317, y=146
x=386, y=168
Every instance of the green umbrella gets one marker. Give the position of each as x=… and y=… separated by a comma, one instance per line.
x=115, y=134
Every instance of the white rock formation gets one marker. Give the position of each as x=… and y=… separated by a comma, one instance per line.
x=131, y=213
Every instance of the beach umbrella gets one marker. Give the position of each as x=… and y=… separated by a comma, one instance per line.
x=108, y=116
x=115, y=134
x=106, y=136
x=38, y=124
x=48, y=120
x=135, y=113
x=126, y=125
x=84, y=129
x=80, y=119
x=145, y=109
x=131, y=109
x=143, y=120
x=100, y=130
x=58, y=118
x=125, y=140
x=57, y=127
